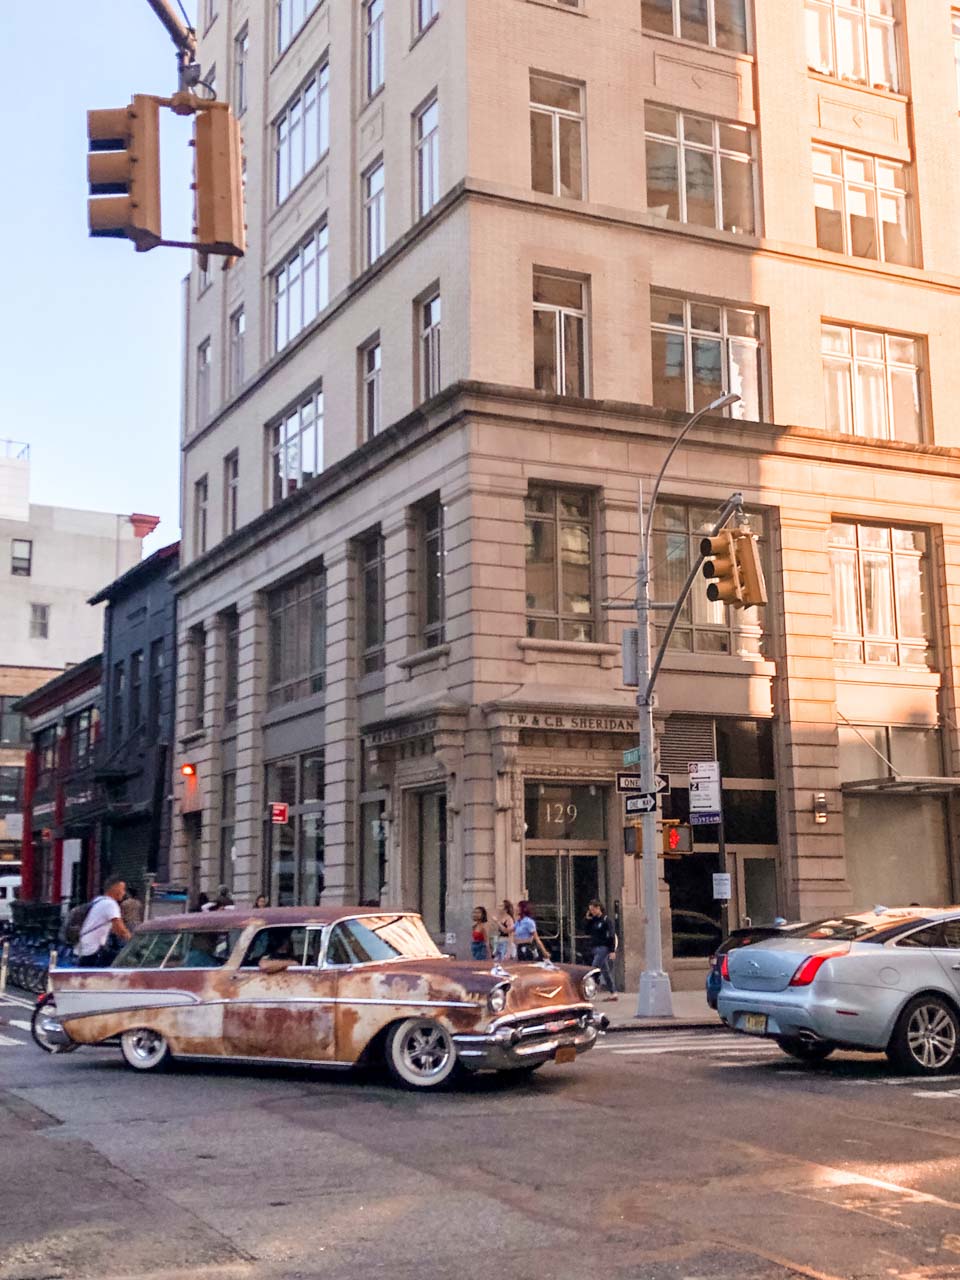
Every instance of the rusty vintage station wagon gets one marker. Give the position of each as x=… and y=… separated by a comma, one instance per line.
x=326, y=986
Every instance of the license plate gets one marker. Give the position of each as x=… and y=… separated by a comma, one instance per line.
x=756, y=1024
x=565, y=1054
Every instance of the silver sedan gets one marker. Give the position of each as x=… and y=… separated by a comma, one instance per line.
x=887, y=981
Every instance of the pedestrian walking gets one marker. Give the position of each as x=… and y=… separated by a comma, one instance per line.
x=504, y=947
x=529, y=945
x=223, y=900
x=603, y=940
x=131, y=909
x=102, y=922
x=479, y=941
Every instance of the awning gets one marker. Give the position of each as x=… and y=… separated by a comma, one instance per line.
x=901, y=786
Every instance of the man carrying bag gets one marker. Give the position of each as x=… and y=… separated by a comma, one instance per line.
x=102, y=923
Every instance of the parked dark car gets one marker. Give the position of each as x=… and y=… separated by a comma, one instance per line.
x=742, y=938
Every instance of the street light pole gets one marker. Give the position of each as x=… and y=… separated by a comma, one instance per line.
x=655, y=999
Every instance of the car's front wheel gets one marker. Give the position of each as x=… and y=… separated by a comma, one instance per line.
x=144, y=1050
x=420, y=1054
x=926, y=1038
x=806, y=1050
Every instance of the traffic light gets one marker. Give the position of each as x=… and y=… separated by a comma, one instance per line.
x=732, y=557
x=677, y=837
x=123, y=170
x=218, y=181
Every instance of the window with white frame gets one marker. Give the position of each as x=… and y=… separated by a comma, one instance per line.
x=370, y=389
x=700, y=170
x=853, y=40
x=426, y=11
x=559, y=334
x=872, y=382
x=427, y=156
x=560, y=595
x=862, y=205
x=238, y=329
x=241, y=52
x=374, y=228
x=203, y=382
x=301, y=288
x=200, y=504
x=302, y=132
x=704, y=626
x=209, y=12
x=290, y=17
x=296, y=447
x=373, y=45
x=881, y=595
x=433, y=604
x=721, y=23
x=556, y=136
x=21, y=557
x=703, y=350
x=430, y=347
x=231, y=492
x=39, y=622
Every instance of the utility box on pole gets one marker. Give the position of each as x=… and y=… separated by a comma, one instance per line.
x=628, y=647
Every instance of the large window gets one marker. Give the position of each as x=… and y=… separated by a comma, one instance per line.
x=21, y=557
x=291, y=15
x=427, y=151
x=703, y=350
x=374, y=226
x=433, y=595
x=862, y=205
x=704, y=626
x=700, y=170
x=297, y=614
x=231, y=666
x=302, y=132
x=373, y=617
x=201, y=494
x=301, y=288
x=45, y=750
x=370, y=389
x=11, y=788
x=871, y=383
x=12, y=723
x=426, y=11
x=82, y=736
x=296, y=852
x=197, y=667
x=117, y=681
x=430, y=347
x=556, y=136
x=296, y=447
x=722, y=23
x=881, y=595
x=238, y=329
x=241, y=52
x=204, y=358
x=231, y=492
x=559, y=335
x=39, y=622
x=853, y=40
x=560, y=569
x=373, y=45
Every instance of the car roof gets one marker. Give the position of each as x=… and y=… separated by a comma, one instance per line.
x=890, y=915
x=241, y=917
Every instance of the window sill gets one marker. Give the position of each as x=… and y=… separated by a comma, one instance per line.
x=887, y=95
x=580, y=11
x=719, y=664
x=698, y=45
x=194, y=736
x=878, y=673
x=425, y=30
x=371, y=682
x=536, y=650
x=298, y=707
x=436, y=655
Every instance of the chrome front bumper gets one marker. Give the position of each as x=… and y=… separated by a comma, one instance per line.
x=529, y=1040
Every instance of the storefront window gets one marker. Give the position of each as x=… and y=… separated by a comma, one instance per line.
x=559, y=812
x=296, y=847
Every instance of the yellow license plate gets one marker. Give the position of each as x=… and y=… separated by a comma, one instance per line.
x=755, y=1023
x=565, y=1054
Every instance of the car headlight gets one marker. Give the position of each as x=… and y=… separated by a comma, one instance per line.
x=589, y=986
x=497, y=999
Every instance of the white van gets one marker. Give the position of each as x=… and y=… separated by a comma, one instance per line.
x=9, y=891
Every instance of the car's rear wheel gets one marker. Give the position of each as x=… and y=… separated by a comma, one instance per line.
x=806, y=1050
x=926, y=1038
x=420, y=1054
x=46, y=1029
x=144, y=1050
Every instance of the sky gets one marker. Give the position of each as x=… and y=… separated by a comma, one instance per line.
x=90, y=330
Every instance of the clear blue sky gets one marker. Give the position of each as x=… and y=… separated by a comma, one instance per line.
x=90, y=330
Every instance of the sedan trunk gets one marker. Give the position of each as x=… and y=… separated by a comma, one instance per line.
x=769, y=966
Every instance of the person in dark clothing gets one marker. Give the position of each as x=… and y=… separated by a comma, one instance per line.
x=603, y=940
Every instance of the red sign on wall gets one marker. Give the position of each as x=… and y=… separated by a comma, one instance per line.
x=279, y=814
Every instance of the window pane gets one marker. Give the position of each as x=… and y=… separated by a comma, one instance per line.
x=669, y=371
x=862, y=212
x=705, y=318
x=910, y=598
x=571, y=159
x=706, y=356
x=905, y=405
x=657, y=15
x=555, y=93
x=819, y=39
x=736, y=177
x=666, y=310
x=837, y=398
x=660, y=120
x=883, y=57
x=829, y=216
x=558, y=291
x=698, y=129
x=846, y=604
x=872, y=401
x=541, y=151
x=545, y=351
x=663, y=196
x=896, y=236
x=700, y=189
x=541, y=566
x=574, y=382
x=877, y=595
x=850, y=46
x=694, y=24
x=731, y=20
x=744, y=375
x=575, y=570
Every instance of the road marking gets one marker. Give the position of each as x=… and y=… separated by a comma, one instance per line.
x=8, y=1042
x=18, y=1022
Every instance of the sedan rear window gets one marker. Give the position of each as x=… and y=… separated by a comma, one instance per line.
x=145, y=951
x=201, y=949
x=843, y=929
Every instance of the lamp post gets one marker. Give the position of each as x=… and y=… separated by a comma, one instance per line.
x=655, y=999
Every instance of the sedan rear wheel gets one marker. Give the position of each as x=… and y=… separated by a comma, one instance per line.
x=926, y=1038
x=806, y=1050
x=144, y=1050
x=420, y=1054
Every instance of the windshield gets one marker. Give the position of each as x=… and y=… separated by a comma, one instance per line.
x=386, y=937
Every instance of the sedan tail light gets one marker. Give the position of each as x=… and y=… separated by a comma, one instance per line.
x=725, y=968
x=808, y=970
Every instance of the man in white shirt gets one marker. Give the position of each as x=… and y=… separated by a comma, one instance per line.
x=101, y=920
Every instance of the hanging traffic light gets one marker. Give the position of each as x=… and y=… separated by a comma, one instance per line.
x=123, y=170
x=218, y=181
x=732, y=559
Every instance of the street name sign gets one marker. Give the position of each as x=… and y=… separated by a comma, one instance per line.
x=704, y=819
x=645, y=803
x=633, y=782
x=631, y=757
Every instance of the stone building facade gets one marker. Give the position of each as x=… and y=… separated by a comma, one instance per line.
x=499, y=252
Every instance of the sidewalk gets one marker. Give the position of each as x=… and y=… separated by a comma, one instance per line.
x=690, y=1009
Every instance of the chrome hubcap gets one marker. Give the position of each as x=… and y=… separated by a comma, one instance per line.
x=932, y=1036
x=426, y=1050
x=145, y=1046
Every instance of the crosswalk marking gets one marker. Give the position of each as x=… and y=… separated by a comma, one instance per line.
x=18, y=1022
x=9, y=1042
x=721, y=1044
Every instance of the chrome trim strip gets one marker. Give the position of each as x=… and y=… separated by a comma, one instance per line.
x=550, y=1013
x=192, y=1002
x=275, y=1062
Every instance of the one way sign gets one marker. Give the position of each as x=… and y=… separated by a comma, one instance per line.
x=644, y=803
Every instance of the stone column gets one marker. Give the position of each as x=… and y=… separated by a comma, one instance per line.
x=249, y=870
x=341, y=730
x=210, y=772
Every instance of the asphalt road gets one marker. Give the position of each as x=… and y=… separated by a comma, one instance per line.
x=677, y=1154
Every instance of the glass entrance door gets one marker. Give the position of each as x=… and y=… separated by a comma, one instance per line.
x=560, y=886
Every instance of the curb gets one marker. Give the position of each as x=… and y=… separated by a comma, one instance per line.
x=665, y=1024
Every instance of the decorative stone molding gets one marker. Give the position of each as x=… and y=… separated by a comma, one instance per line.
x=565, y=650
